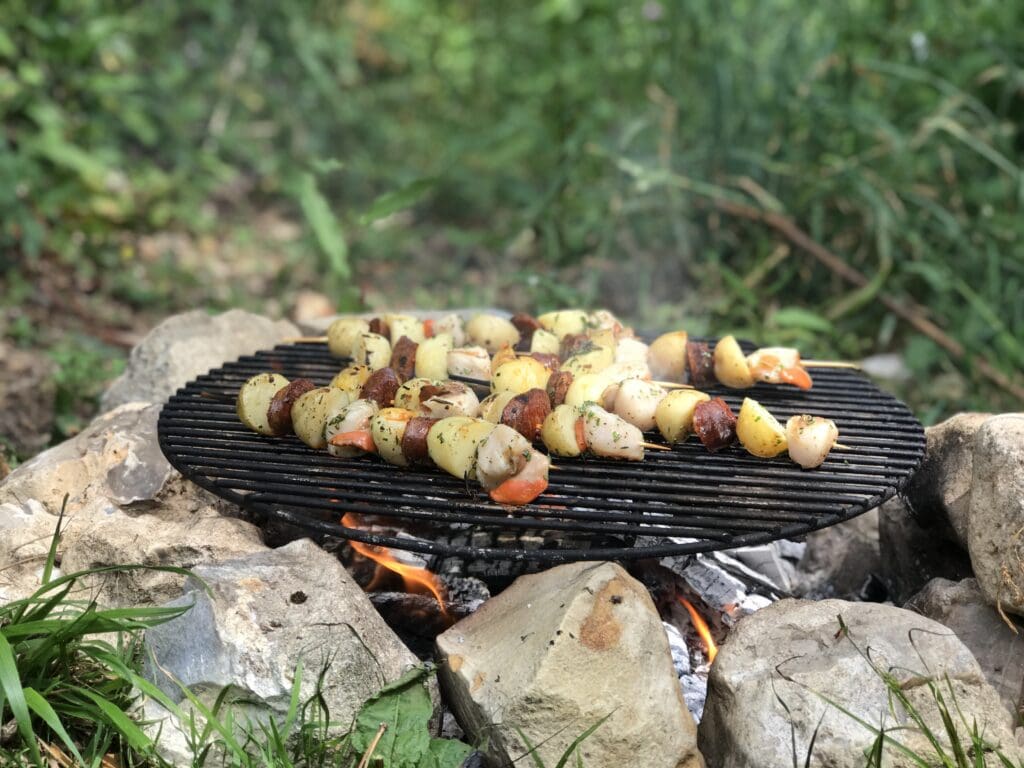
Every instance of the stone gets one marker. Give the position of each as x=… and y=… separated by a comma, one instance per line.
x=841, y=559
x=27, y=394
x=939, y=492
x=126, y=505
x=185, y=346
x=997, y=646
x=554, y=654
x=913, y=555
x=311, y=306
x=995, y=531
x=254, y=619
x=796, y=652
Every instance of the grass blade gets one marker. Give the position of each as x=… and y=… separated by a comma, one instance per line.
x=48, y=715
x=14, y=695
x=579, y=740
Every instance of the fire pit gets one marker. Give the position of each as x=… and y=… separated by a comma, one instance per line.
x=675, y=502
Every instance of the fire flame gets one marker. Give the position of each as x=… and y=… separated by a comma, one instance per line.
x=418, y=580
x=702, y=629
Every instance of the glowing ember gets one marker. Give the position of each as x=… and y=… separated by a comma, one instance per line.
x=702, y=629
x=418, y=580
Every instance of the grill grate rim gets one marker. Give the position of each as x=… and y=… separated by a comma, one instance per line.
x=674, y=503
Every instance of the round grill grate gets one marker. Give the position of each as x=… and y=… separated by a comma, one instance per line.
x=678, y=502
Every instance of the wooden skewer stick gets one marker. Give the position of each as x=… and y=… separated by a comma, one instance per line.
x=306, y=340
x=842, y=447
x=829, y=364
x=656, y=446
x=673, y=385
x=373, y=746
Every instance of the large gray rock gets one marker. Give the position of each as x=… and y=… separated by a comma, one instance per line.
x=188, y=345
x=841, y=559
x=126, y=505
x=940, y=490
x=995, y=534
x=796, y=652
x=998, y=646
x=554, y=654
x=261, y=616
x=27, y=394
x=913, y=555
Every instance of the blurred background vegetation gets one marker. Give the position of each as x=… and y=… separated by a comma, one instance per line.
x=651, y=157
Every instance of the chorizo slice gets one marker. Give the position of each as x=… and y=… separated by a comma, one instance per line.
x=279, y=412
x=525, y=413
x=715, y=424
x=558, y=386
x=403, y=358
x=414, y=441
x=381, y=387
x=526, y=325
x=701, y=364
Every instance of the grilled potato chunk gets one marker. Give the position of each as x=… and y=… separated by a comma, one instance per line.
x=311, y=411
x=405, y=325
x=520, y=375
x=493, y=406
x=388, y=428
x=343, y=333
x=254, y=399
x=562, y=430
x=731, y=368
x=565, y=322
x=351, y=379
x=373, y=350
x=453, y=443
x=758, y=431
x=491, y=332
x=587, y=388
x=667, y=356
x=408, y=395
x=432, y=356
x=593, y=360
x=544, y=342
x=674, y=414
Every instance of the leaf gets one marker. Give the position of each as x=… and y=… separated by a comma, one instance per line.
x=405, y=707
x=12, y=692
x=325, y=226
x=397, y=200
x=446, y=753
x=795, y=317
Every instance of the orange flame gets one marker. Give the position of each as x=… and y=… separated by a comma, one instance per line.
x=702, y=629
x=418, y=580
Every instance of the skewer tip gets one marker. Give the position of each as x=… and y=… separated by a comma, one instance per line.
x=672, y=385
x=830, y=364
x=305, y=340
x=842, y=447
x=656, y=446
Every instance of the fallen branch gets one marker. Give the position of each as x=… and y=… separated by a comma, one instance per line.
x=903, y=307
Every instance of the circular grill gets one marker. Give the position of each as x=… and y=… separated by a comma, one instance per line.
x=678, y=502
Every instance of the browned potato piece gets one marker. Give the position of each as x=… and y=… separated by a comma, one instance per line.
x=731, y=368
x=254, y=400
x=667, y=356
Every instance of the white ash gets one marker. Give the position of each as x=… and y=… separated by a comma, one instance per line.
x=692, y=681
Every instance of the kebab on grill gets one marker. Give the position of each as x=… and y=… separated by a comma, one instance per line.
x=586, y=342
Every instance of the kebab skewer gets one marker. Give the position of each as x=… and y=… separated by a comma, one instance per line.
x=671, y=356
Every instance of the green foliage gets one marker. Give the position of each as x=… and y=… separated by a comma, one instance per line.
x=959, y=744
x=85, y=367
x=562, y=152
x=62, y=680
